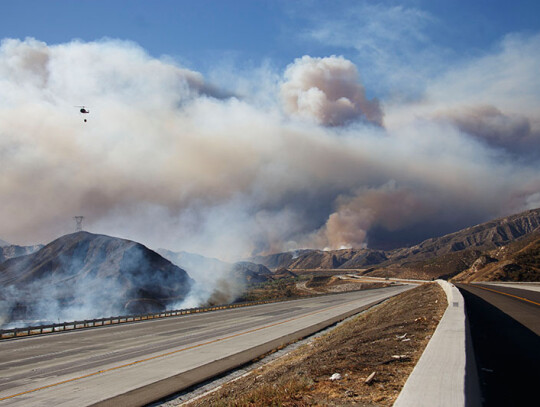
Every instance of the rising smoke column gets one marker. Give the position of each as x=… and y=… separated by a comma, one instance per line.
x=328, y=91
x=509, y=131
x=171, y=161
x=389, y=206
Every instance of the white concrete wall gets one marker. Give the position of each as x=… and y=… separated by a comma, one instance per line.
x=439, y=378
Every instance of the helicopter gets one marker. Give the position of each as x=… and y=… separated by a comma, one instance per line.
x=83, y=110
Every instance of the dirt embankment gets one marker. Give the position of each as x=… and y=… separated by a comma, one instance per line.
x=337, y=284
x=308, y=282
x=383, y=343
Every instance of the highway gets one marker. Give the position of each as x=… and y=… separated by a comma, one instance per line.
x=505, y=330
x=134, y=364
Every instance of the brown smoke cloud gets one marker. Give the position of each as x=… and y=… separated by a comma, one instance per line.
x=389, y=206
x=328, y=91
x=512, y=132
x=171, y=161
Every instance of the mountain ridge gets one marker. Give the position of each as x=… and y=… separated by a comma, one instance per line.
x=481, y=237
x=10, y=251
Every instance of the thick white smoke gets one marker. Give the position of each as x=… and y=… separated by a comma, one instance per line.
x=328, y=91
x=170, y=161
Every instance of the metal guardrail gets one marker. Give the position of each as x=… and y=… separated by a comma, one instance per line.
x=92, y=323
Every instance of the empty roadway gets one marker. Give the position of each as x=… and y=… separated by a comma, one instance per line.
x=132, y=364
x=521, y=285
x=505, y=329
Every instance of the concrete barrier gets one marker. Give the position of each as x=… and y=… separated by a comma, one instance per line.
x=446, y=374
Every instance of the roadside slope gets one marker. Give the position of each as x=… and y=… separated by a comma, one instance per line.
x=387, y=340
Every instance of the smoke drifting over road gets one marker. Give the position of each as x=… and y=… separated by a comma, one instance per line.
x=171, y=161
x=84, y=276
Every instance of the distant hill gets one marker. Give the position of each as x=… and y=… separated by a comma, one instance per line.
x=252, y=273
x=281, y=260
x=192, y=262
x=3, y=243
x=10, y=251
x=243, y=271
x=83, y=275
x=216, y=281
x=323, y=259
x=284, y=273
x=436, y=257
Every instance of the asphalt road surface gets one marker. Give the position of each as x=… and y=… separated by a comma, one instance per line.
x=505, y=329
x=132, y=364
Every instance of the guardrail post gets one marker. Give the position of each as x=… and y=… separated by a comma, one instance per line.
x=71, y=325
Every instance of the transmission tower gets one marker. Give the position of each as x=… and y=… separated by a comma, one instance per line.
x=78, y=222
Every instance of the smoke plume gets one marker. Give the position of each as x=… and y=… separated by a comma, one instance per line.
x=328, y=91
x=511, y=132
x=169, y=160
x=389, y=207
x=85, y=276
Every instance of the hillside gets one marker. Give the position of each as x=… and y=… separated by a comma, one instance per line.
x=452, y=254
x=485, y=236
x=517, y=261
x=323, y=259
x=192, y=262
x=216, y=281
x=281, y=260
x=436, y=257
x=251, y=273
x=243, y=271
x=11, y=251
x=83, y=275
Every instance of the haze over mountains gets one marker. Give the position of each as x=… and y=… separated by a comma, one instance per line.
x=83, y=275
x=301, y=155
x=244, y=270
x=463, y=247
x=216, y=281
x=9, y=251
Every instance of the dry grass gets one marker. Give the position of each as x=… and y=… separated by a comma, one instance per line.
x=387, y=340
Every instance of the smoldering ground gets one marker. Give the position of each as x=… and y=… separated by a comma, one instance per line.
x=215, y=281
x=85, y=276
x=172, y=161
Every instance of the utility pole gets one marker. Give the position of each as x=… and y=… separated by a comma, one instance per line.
x=78, y=222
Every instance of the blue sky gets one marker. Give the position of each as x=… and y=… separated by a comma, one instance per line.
x=267, y=125
x=200, y=34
